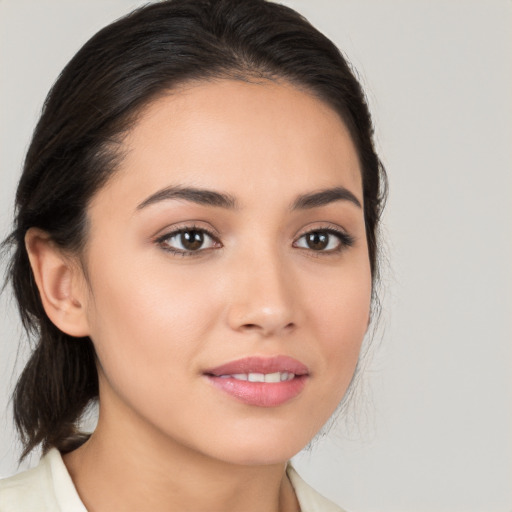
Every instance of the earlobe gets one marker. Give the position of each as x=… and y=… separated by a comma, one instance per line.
x=59, y=281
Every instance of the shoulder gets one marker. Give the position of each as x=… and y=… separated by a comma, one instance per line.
x=309, y=499
x=45, y=488
x=29, y=490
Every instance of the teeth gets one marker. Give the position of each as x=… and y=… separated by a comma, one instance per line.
x=256, y=377
x=273, y=377
x=261, y=377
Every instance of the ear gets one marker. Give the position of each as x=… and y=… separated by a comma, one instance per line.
x=60, y=282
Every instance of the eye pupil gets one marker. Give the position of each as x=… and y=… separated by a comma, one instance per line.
x=317, y=240
x=192, y=240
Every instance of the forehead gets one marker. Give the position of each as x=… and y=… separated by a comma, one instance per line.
x=244, y=138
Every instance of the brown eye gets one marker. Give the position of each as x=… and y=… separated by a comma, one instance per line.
x=186, y=241
x=318, y=240
x=324, y=240
x=192, y=240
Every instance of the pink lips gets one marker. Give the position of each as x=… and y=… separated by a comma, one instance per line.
x=262, y=394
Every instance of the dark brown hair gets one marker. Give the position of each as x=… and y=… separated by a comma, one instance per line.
x=94, y=102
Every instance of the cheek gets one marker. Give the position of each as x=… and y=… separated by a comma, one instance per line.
x=147, y=321
x=341, y=316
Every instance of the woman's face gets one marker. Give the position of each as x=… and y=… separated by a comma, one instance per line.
x=229, y=248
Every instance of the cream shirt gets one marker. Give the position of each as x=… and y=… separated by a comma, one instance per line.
x=49, y=488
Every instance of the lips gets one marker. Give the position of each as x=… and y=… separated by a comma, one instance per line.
x=258, y=381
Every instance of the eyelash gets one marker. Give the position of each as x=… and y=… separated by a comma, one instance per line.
x=162, y=240
x=345, y=241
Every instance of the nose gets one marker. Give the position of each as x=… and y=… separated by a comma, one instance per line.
x=263, y=297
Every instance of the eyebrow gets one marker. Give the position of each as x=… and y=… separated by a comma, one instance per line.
x=325, y=197
x=222, y=200
x=195, y=195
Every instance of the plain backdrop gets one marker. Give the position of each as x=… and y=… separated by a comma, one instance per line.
x=432, y=428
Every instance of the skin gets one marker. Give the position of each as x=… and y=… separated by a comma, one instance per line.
x=166, y=438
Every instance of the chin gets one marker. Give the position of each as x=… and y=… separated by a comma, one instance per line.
x=261, y=457
x=264, y=447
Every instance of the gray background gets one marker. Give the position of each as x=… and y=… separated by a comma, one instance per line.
x=431, y=430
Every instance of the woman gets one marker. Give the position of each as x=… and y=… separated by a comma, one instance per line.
x=195, y=248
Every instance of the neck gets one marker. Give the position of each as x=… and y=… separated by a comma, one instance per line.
x=132, y=469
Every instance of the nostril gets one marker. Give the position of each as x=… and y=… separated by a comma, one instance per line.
x=268, y=329
x=289, y=327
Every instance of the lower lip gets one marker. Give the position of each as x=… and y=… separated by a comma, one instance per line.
x=261, y=394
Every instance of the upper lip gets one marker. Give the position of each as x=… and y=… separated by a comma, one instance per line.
x=258, y=364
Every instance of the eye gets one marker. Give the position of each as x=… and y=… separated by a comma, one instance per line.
x=324, y=240
x=186, y=241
